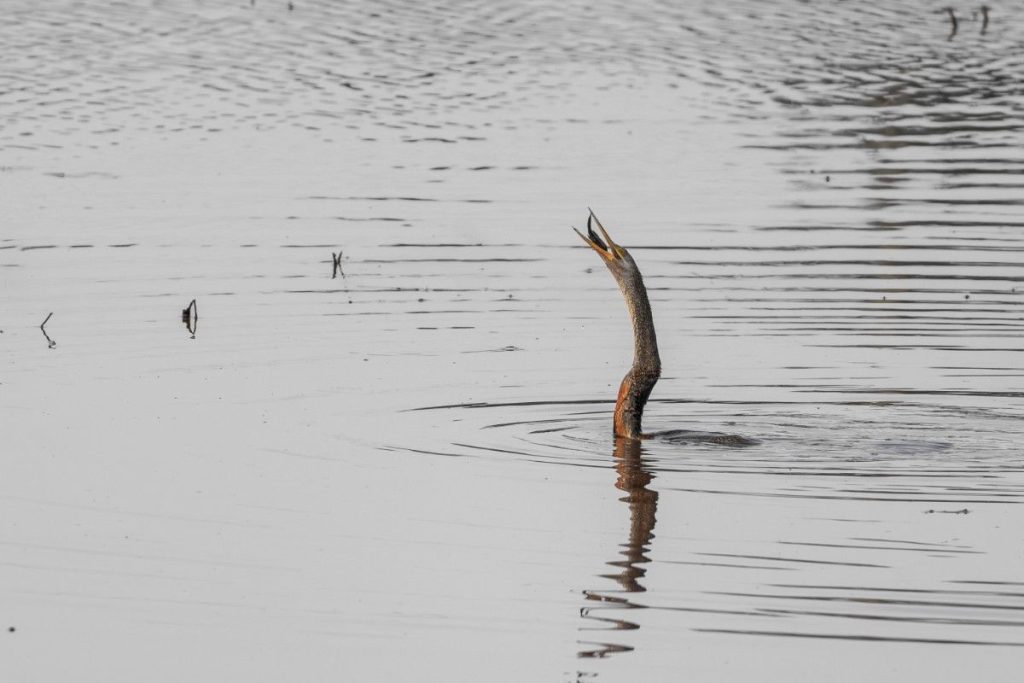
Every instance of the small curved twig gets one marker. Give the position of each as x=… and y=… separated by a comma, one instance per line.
x=49, y=342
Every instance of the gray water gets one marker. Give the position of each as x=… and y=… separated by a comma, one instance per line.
x=405, y=470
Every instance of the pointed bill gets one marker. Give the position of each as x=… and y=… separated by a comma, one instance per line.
x=593, y=241
x=594, y=220
x=603, y=244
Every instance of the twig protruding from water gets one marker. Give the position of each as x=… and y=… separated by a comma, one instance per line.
x=337, y=265
x=190, y=316
x=49, y=342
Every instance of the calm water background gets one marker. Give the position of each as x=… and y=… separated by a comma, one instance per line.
x=407, y=473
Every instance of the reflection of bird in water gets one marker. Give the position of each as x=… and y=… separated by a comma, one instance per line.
x=640, y=380
x=643, y=375
x=634, y=478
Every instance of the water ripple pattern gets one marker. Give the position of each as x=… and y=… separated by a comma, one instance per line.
x=95, y=68
x=825, y=200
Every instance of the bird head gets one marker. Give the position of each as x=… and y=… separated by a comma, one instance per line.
x=616, y=257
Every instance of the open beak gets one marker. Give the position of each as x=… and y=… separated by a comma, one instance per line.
x=606, y=247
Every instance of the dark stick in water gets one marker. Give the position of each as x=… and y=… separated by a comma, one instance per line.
x=49, y=342
x=337, y=265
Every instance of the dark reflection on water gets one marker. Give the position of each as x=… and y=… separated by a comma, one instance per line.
x=633, y=479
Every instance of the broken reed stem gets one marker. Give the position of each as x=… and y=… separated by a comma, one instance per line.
x=337, y=265
x=42, y=328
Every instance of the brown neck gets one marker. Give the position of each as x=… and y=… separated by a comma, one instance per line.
x=640, y=380
x=629, y=407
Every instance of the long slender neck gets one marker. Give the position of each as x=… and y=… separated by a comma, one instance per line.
x=640, y=380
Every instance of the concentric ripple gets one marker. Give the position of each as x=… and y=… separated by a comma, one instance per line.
x=866, y=451
x=784, y=519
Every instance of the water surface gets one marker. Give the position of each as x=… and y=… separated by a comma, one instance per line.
x=406, y=466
